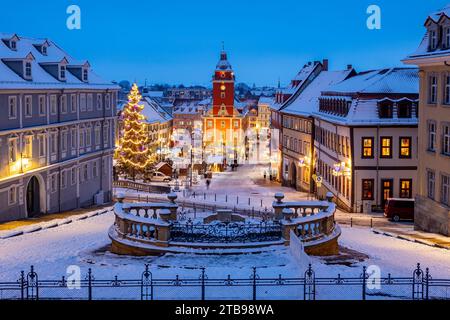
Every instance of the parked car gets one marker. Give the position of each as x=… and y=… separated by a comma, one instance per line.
x=160, y=177
x=397, y=209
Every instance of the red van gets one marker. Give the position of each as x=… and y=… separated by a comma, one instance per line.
x=397, y=209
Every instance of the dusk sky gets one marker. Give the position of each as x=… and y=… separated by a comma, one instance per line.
x=179, y=41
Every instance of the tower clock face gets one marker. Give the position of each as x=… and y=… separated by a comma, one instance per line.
x=222, y=87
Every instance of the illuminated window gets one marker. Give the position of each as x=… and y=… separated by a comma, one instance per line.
x=367, y=147
x=405, y=188
x=405, y=147
x=12, y=150
x=28, y=151
x=222, y=124
x=42, y=145
x=386, y=147
x=367, y=189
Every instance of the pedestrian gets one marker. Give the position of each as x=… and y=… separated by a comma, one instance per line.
x=265, y=175
x=208, y=182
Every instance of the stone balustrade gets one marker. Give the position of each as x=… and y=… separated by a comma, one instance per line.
x=145, y=222
x=145, y=228
x=309, y=220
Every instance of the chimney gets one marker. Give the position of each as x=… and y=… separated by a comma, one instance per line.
x=349, y=67
x=325, y=64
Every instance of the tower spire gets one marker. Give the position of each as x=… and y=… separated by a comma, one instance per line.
x=223, y=45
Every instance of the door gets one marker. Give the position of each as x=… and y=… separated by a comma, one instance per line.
x=387, y=190
x=33, y=198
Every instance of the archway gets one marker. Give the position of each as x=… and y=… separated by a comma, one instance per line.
x=293, y=175
x=34, y=197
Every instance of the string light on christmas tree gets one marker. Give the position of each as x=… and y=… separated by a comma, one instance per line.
x=133, y=153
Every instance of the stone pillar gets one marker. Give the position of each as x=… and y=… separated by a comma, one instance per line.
x=163, y=235
x=120, y=197
x=278, y=205
x=174, y=207
x=165, y=214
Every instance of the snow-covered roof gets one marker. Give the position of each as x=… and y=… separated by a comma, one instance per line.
x=41, y=79
x=308, y=100
x=436, y=16
x=384, y=84
x=153, y=111
x=154, y=94
x=300, y=78
x=423, y=52
x=383, y=81
x=364, y=112
x=266, y=100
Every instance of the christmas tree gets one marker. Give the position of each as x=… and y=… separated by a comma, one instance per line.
x=133, y=154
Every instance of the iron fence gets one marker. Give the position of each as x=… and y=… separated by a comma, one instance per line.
x=226, y=232
x=418, y=286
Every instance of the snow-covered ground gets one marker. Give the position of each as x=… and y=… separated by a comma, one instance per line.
x=85, y=243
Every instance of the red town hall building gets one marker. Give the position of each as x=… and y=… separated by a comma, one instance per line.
x=222, y=123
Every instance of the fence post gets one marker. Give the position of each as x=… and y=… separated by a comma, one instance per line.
x=309, y=284
x=215, y=197
x=226, y=198
x=237, y=199
x=254, y=283
x=364, y=283
x=351, y=222
x=261, y=203
x=89, y=278
x=427, y=278
x=204, y=196
x=22, y=285
x=248, y=201
x=202, y=277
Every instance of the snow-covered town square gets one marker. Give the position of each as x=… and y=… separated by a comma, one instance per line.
x=158, y=162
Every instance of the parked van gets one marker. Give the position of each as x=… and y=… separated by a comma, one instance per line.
x=397, y=209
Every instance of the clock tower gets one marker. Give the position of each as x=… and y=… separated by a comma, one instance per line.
x=222, y=123
x=223, y=87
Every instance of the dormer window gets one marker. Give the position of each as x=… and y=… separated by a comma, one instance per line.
x=404, y=109
x=62, y=72
x=13, y=45
x=28, y=73
x=433, y=39
x=44, y=50
x=85, y=75
x=385, y=109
